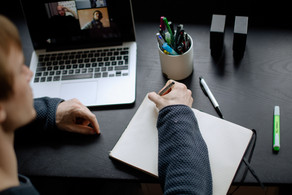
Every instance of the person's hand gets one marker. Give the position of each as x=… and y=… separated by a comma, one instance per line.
x=65, y=9
x=73, y=116
x=177, y=94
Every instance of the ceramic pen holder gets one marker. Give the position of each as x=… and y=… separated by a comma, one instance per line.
x=177, y=67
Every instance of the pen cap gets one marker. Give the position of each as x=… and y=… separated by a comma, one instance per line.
x=177, y=67
x=276, y=110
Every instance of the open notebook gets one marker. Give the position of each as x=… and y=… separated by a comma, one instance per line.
x=226, y=141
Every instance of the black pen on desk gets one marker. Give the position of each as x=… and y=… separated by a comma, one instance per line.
x=163, y=92
x=209, y=94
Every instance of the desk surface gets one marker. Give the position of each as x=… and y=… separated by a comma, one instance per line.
x=247, y=92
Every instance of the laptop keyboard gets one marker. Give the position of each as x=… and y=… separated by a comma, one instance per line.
x=85, y=64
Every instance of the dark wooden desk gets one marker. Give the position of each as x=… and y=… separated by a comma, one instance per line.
x=247, y=92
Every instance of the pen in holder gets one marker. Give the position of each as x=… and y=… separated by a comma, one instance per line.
x=175, y=51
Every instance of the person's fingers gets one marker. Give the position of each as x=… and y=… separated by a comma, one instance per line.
x=82, y=129
x=95, y=125
x=88, y=116
x=177, y=94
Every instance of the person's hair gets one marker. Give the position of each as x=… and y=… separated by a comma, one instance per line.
x=8, y=36
x=99, y=14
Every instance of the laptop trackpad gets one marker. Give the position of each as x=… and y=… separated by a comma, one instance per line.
x=83, y=91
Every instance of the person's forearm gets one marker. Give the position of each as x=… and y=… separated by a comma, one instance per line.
x=184, y=166
x=46, y=115
x=46, y=111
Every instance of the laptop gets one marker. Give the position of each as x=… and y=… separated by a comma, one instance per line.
x=84, y=49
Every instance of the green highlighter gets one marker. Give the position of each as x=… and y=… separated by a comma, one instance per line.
x=169, y=30
x=276, y=130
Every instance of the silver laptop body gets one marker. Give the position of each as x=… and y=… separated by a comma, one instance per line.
x=95, y=65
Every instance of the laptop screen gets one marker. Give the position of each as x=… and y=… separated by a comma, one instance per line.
x=71, y=24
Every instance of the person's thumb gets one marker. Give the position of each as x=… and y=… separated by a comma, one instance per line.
x=154, y=97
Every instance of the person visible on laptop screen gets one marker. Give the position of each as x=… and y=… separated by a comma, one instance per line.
x=183, y=161
x=17, y=109
x=95, y=23
x=62, y=20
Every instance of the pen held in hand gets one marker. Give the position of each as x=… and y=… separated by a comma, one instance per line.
x=165, y=90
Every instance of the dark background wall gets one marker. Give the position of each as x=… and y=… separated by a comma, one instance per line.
x=276, y=13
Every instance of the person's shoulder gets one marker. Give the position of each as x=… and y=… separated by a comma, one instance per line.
x=55, y=17
x=25, y=188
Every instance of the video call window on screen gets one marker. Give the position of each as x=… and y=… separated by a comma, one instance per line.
x=71, y=16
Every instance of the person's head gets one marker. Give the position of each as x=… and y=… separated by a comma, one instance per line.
x=61, y=10
x=97, y=15
x=16, y=101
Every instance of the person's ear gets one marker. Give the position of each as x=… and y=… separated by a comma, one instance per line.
x=2, y=113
